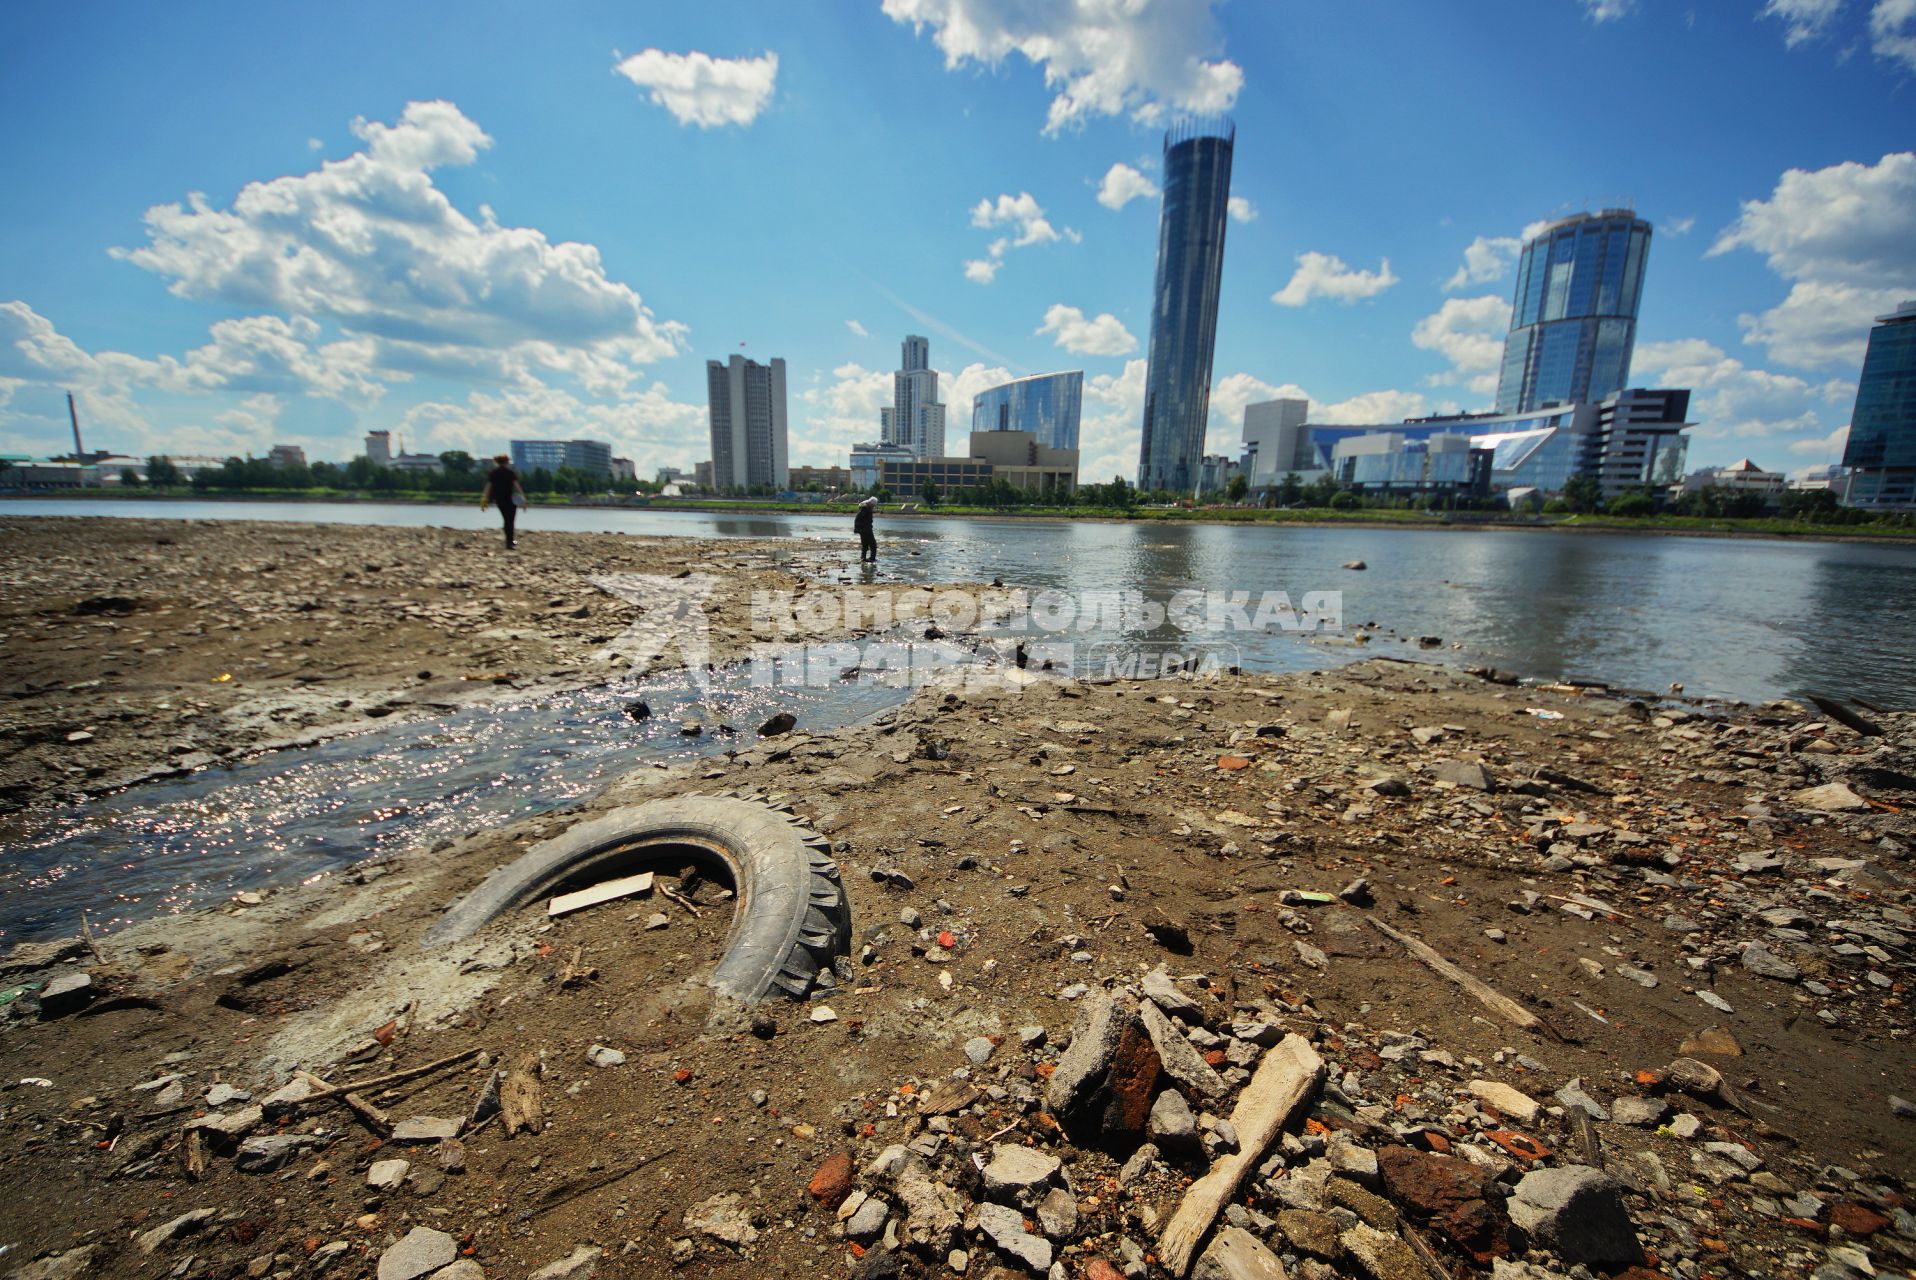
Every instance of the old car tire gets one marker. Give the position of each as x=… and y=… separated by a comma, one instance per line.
x=791, y=916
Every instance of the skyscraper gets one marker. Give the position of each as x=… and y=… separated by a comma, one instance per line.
x=1882, y=426
x=1177, y=382
x=746, y=403
x=1573, y=320
x=915, y=418
x=1047, y=405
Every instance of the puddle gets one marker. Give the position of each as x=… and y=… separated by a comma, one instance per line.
x=297, y=815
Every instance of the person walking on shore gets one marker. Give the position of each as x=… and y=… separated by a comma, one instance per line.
x=862, y=526
x=502, y=488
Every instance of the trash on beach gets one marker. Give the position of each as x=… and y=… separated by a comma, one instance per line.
x=1542, y=714
x=1303, y=897
x=605, y=891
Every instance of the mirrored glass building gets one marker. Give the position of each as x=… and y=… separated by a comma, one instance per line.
x=1573, y=319
x=1882, y=428
x=1045, y=404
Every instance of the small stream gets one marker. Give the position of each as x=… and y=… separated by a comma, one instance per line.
x=297, y=815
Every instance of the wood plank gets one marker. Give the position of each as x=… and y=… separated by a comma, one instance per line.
x=1285, y=1081
x=604, y=891
x=1501, y=1005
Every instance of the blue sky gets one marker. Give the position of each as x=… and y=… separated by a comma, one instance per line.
x=228, y=226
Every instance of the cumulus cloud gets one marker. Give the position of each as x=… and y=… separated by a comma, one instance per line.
x=1122, y=184
x=1229, y=395
x=1241, y=209
x=648, y=425
x=857, y=328
x=702, y=90
x=1729, y=400
x=1020, y=211
x=1141, y=58
x=841, y=412
x=1892, y=31
x=1677, y=226
x=1103, y=336
x=1846, y=237
x=1829, y=448
x=1111, y=424
x=1468, y=332
x=1320, y=275
x=1373, y=407
x=1486, y=258
x=982, y=270
x=1608, y=10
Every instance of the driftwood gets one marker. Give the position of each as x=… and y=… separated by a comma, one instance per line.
x=1501, y=1005
x=329, y=1092
x=519, y=1106
x=1845, y=717
x=1285, y=1081
x=369, y=1115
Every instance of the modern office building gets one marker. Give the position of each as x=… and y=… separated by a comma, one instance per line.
x=1573, y=318
x=1047, y=405
x=1177, y=380
x=1275, y=441
x=915, y=418
x=829, y=479
x=1639, y=441
x=869, y=459
x=1214, y=475
x=1440, y=464
x=549, y=455
x=379, y=448
x=746, y=403
x=1881, y=452
x=1016, y=457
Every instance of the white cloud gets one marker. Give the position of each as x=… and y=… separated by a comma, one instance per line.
x=1229, y=394
x=1373, y=407
x=1122, y=184
x=1806, y=19
x=842, y=412
x=1608, y=10
x=702, y=90
x=958, y=391
x=1321, y=275
x=1486, y=258
x=648, y=426
x=982, y=270
x=1468, y=332
x=1110, y=425
x=1846, y=235
x=1103, y=336
x=1241, y=209
x=1728, y=399
x=1103, y=57
x=1020, y=211
x=1890, y=34
x=1829, y=447
x=1678, y=226
x=857, y=328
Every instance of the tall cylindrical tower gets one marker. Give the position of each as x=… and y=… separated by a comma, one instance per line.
x=1573, y=321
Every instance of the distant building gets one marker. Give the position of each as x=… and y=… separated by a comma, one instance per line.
x=1573, y=317
x=287, y=455
x=745, y=401
x=868, y=462
x=1015, y=457
x=1385, y=462
x=379, y=448
x=831, y=479
x=1834, y=477
x=591, y=456
x=1742, y=475
x=915, y=417
x=1639, y=441
x=1184, y=300
x=1214, y=474
x=1881, y=453
x=1276, y=443
x=1048, y=405
x=670, y=475
x=191, y=464
x=702, y=474
x=624, y=471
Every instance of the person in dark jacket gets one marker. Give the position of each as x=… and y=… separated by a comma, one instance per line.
x=862, y=526
x=502, y=488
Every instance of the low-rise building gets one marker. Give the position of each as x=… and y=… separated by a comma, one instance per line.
x=287, y=455
x=594, y=456
x=831, y=479
x=1742, y=475
x=1439, y=465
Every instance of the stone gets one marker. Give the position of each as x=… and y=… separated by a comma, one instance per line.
x=657, y=920
x=1462, y=773
x=1130, y=1082
x=978, y=1050
x=463, y=1269
x=1512, y=1104
x=387, y=1174
x=581, y=1264
x=230, y=1126
x=1342, y=1193
x=1765, y=963
x=604, y=1056
x=1164, y=993
x=222, y=1093
x=724, y=1218
x=1006, y=1229
x=426, y=1129
x=1453, y=1196
x=1574, y=1095
x=1058, y=1214
x=1176, y=1055
x=1578, y=1213
x=832, y=1182
x=1014, y=1170
x=68, y=993
x=1350, y=1160
x=1082, y=1066
x=869, y=1220
x=1831, y=797
x=1642, y=1112
x=419, y=1252
x=166, y=1232
x=1310, y=1232
x=1171, y=1124
x=1236, y=1254
x=1138, y=1165
x=1685, y=1126
x=931, y=1209
x=268, y=1153
x=1382, y=1256
x=1857, y=1219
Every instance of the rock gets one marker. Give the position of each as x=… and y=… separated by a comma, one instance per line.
x=1858, y=1220
x=931, y=1209
x=581, y=1264
x=222, y=1093
x=1698, y=1079
x=832, y=1182
x=463, y=1269
x=1164, y=993
x=185, y=1224
x=604, y=1056
x=1462, y=773
x=1638, y=1111
x=1236, y=1254
x=1014, y=1170
x=869, y=1220
x=1831, y=797
x=1765, y=963
x=1382, y=1256
x=1006, y=1229
x=724, y=1218
x=419, y=1252
x=1578, y=1213
x=1171, y=1124
x=284, y=1099
x=1685, y=1126
x=1342, y=1193
x=1573, y=1095
x=1357, y=1163
x=1355, y=564
x=1058, y=1214
x=57, y=1266
x=1031, y=1037
x=1310, y=1232
x=1712, y=1040
x=657, y=920
x=1138, y=1165
x=978, y=1050
x=1177, y=1056
x=268, y=1153
x=1094, y=1039
x=782, y=723
x=428, y=1128
x=387, y=1174
x=68, y=993
x=230, y=1126
x=1511, y=1103
x=1453, y=1196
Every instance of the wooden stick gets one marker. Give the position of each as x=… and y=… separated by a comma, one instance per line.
x=369, y=1115
x=1501, y=1005
x=332, y=1091
x=1845, y=717
x=1285, y=1081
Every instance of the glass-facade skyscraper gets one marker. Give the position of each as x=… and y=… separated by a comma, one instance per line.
x=1045, y=404
x=1177, y=382
x=1573, y=321
x=1882, y=427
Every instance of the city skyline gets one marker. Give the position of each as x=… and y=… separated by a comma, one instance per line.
x=544, y=228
